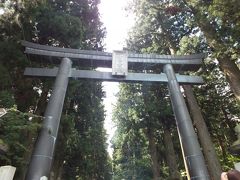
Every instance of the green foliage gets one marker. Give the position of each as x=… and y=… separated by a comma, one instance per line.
x=4, y=78
x=137, y=113
x=221, y=119
x=6, y=99
x=81, y=141
x=184, y=27
x=59, y=28
x=86, y=149
x=12, y=79
x=218, y=104
x=18, y=131
x=130, y=158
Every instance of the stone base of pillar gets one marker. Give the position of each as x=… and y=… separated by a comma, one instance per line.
x=237, y=166
x=7, y=172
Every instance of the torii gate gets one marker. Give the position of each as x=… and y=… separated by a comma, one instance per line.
x=120, y=62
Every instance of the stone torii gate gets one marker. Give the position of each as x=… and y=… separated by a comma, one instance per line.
x=120, y=62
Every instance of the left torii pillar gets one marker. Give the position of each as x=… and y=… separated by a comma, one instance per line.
x=42, y=157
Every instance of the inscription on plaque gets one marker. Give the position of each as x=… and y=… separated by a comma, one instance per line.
x=120, y=63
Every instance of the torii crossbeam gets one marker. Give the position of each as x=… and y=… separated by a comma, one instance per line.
x=120, y=62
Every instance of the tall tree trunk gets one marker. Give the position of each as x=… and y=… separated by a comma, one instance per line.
x=42, y=102
x=149, y=131
x=57, y=167
x=222, y=146
x=153, y=154
x=227, y=64
x=170, y=155
x=134, y=177
x=231, y=124
x=27, y=154
x=214, y=166
x=232, y=73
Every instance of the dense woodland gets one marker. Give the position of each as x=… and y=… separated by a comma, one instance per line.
x=146, y=144
x=81, y=146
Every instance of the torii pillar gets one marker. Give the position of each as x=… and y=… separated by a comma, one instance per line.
x=40, y=165
x=188, y=138
x=42, y=157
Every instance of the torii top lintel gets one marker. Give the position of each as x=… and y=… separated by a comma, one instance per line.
x=88, y=58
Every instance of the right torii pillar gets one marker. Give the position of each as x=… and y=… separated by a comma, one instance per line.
x=192, y=152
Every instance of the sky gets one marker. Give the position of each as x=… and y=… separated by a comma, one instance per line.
x=117, y=22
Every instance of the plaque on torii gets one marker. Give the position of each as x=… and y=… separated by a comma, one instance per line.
x=119, y=63
x=123, y=64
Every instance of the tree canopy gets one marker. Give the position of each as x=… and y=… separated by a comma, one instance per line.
x=146, y=144
x=81, y=145
x=182, y=27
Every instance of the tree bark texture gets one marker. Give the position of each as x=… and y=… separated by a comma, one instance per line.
x=42, y=102
x=232, y=73
x=149, y=132
x=153, y=153
x=214, y=166
x=170, y=155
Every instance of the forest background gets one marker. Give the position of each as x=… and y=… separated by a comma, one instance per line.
x=145, y=143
